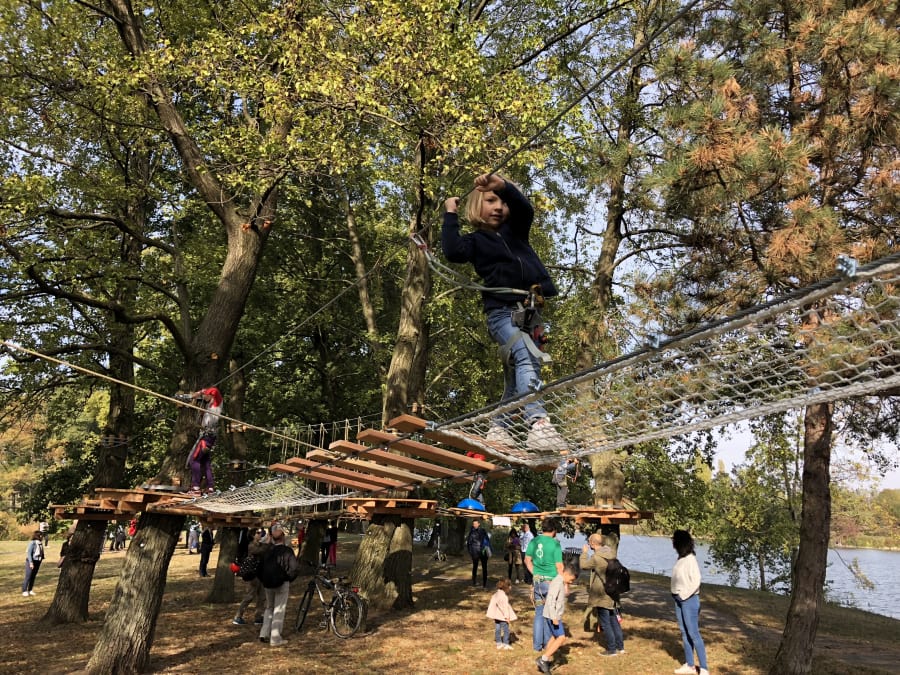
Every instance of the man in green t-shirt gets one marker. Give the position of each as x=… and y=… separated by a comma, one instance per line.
x=544, y=559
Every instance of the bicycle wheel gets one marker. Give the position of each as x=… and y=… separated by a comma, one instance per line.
x=303, y=609
x=346, y=614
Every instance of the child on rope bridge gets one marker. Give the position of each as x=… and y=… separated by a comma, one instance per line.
x=502, y=256
x=199, y=460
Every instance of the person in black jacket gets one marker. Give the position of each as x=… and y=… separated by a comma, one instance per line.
x=478, y=544
x=206, y=547
x=279, y=568
x=502, y=256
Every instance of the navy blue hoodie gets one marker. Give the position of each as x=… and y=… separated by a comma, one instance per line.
x=503, y=258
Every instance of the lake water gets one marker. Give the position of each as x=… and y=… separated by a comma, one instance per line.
x=656, y=556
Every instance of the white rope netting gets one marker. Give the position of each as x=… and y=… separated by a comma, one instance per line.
x=837, y=340
x=277, y=493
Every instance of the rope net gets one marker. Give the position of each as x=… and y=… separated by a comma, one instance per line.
x=836, y=340
x=277, y=493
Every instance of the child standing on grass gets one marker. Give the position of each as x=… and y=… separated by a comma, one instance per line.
x=554, y=608
x=502, y=613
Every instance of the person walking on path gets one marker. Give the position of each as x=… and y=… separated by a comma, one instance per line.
x=686, y=593
x=206, y=547
x=502, y=256
x=544, y=560
x=554, y=608
x=478, y=544
x=254, y=588
x=34, y=556
x=502, y=613
x=279, y=568
x=525, y=537
x=513, y=556
x=597, y=596
x=332, y=543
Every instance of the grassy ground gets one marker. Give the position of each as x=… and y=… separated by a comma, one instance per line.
x=446, y=633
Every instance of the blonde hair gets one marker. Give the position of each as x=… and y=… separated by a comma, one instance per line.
x=474, y=202
x=596, y=539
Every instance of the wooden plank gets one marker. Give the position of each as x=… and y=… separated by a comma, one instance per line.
x=393, y=459
x=325, y=478
x=344, y=473
x=425, y=451
x=408, y=424
x=367, y=467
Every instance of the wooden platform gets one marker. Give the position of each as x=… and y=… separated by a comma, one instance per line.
x=604, y=515
x=405, y=508
x=118, y=504
x=410, y=424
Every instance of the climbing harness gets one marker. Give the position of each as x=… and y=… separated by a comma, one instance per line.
x=527, y=318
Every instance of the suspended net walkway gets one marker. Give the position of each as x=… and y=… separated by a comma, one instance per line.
x=836, y=340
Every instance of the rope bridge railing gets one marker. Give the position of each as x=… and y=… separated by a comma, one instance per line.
x=838, y=339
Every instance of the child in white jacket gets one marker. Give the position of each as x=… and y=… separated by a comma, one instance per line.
x=502, y=613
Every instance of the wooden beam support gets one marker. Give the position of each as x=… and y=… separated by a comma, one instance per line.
x=325, y=478
x=344, y=473
x=425, y=451
x=393, y=459
x=364, y=466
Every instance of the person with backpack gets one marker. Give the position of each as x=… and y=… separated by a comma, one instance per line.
x=478, y=544
x=279, y=568
x=599, y=600
x=686, y=593
x=257, y=549
x=33, y=559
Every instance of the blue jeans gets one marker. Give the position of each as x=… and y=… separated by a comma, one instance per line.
x=688, y=614
x=501, y=631
x=524, y=375
x=540, y=636
x=615, y=641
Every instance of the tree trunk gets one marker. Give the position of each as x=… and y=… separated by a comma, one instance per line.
x=383, y=565
x=127, y=635
x=454, y=541
x=609, y=481
x=761, y=561
x=73, y=590
x=222, y=591
x=312, y=544
x=794, y=655
x=405, y=378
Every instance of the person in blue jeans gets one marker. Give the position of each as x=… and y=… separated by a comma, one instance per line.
x=686, y=594
x=598, y=599
x=33, y=559
x=502, y=256
x=544, y=561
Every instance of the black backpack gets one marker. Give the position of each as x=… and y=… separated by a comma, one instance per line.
x=617, y=579
x=249, y=567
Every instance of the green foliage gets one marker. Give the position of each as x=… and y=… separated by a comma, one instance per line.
x=757, y=529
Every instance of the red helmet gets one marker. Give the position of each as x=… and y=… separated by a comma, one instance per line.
x=214, y=392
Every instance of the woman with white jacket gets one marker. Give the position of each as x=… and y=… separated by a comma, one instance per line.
x=686, y=593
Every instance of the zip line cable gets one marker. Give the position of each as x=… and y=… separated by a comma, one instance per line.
x=143, y=390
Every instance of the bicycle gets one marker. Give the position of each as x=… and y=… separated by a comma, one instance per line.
x=343, y=613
